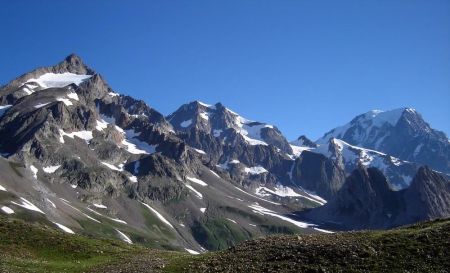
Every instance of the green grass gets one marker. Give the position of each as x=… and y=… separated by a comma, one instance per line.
x=420, y=248
x=26, y=247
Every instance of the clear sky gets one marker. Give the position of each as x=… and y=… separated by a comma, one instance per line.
x=305, y=66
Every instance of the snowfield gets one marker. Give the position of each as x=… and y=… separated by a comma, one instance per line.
x=49, y=80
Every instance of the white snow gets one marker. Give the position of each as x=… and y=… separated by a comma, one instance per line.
x=284, y=191
x=257, y=196
x=203, y=210
x=98, y=213
x=2, y=188
x=34, y=170
x=197, y=193
x=112, y=94
x=118, y=220
x=112, y=167
x=213, y=172
x=7, y=210
x=231, y=220
x=193, y=252
x=217, y=132
x=67, y=102
x=353, y=155
x=48, y=80
x=199, y=151
x=225, y=164
x=315, y=196
x=73, y=95
x=3, y=109
x=50, y=201
x=85, y=135
x=135, y=146
x=158, y=215
x=297, y=150
x=204, y=115
x=73, y=186
x=27, y=205
x=132, y=144
x=51, y=169
x=64, y=228
x=206, y=105
x=197, y=181
x=323, y=230
x=364, y=124
x=99, y=206
x=101, y=125
x=255, y=170
x=133, y=179
x=89, y=217
x=40, y=105
x=259, y=209
x=279, y=190
x=124, y=237
x=186, y=123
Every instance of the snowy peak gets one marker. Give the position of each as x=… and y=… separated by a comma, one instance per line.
x=402, y=133
x=70, y=71
x=220, y=121
x=398, y=172
x=365, y=126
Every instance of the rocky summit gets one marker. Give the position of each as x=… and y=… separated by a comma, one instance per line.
x=79, y=157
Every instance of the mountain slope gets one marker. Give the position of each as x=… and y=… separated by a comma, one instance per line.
x=420, y=248
x=401, y=133
x=95, y=162
x=366, y=201
x=398, y=172
x=252, y=154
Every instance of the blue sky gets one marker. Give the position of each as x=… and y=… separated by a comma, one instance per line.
x=305, y=66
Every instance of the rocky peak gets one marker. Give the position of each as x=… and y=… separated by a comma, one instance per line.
x=217, y=120
x=402, y=133
x=365, y=200
x=73, y=64
x=304, y=141
x=428, y=195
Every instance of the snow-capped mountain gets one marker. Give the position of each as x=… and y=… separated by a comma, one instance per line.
x=223, y=123
x=398, y=172
x=401, y=133
x=76, y=154
x=79, y=156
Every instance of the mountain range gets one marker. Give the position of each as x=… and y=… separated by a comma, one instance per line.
x=78, y=156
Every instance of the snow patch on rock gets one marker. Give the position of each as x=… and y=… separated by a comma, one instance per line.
x=7, y=210
x=51, y=169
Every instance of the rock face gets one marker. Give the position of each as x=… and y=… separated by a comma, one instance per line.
x=253, y=154
x=428, y=197
x=304, y=141
x=317, y=173
x=219, y=121
x=367, y=201
x=398, y=172
x=401, y=133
